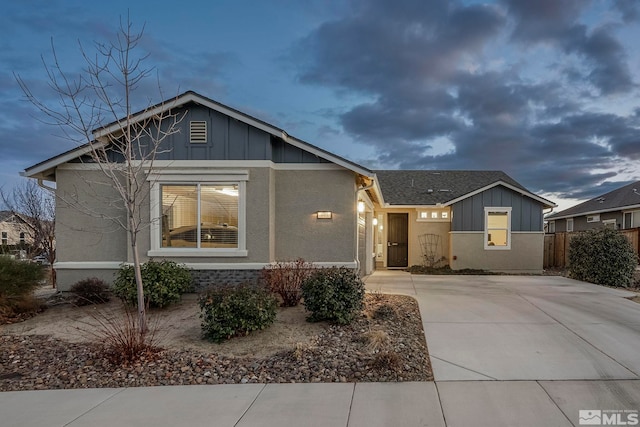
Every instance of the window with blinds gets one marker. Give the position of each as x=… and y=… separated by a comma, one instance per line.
x=199, y=215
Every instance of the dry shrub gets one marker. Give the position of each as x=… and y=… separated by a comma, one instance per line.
x=120, y=338
x=19, y=308
x=286, y=278
x=387, y=361
x=375, y=340
x=91, y=291
x=377, y=296
x=384, y=312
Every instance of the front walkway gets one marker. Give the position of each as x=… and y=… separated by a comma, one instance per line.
x=478, y=329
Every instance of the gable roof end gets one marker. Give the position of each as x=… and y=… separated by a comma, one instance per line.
x=443, y=188
x=38, y=170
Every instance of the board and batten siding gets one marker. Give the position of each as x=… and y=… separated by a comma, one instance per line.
x=526, y=213
x=228, y=139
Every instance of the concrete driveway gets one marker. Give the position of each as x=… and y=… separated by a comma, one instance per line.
x=522, y=327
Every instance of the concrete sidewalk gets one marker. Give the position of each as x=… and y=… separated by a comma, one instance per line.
x=443, y=403
x=505, y=350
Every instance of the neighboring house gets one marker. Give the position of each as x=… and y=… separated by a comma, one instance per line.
x=230, y=194
x=618, y=209
x=14, y=231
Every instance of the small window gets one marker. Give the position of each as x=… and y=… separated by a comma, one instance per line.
x=424, y=215
x=434, y=215
x=552, y=226
x=22, y=238
x=593, y=218
x=570, y=224
x=628, y=220
x=5, y=239
x=445, y=215
x=198, y=132
x=609, y=223
x=497, y=228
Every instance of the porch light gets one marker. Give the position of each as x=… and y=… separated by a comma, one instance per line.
x=361, y=206
x=324, y=214
x=375, y=221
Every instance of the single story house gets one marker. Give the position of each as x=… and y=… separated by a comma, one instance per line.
x=229, y=194
x=618, y=209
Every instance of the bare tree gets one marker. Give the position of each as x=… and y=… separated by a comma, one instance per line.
x=35, y=206
x=96, y=110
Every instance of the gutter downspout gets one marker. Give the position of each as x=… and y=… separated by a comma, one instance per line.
x=357, y=237
x=46, y=187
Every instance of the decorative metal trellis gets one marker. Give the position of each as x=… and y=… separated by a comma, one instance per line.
x=431, y=249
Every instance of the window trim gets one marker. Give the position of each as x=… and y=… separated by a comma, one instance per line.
x=624, y=220
x=224, y=177
x=569, y=221
x=501, y=209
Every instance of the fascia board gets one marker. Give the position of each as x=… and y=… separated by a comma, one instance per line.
x=504, y=184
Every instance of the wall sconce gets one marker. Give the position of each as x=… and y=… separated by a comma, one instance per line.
x=375, y=221
x=324, y=214
x=361, y=206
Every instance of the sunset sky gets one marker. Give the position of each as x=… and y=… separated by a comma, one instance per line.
x=544, y=90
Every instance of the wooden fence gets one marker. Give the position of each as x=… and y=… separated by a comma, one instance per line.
x=556, y=246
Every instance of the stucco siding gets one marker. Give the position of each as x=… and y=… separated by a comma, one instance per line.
x=299, y=195
x=526, y=254
x=84, y=230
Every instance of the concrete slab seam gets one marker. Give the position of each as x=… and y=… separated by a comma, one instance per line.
x=462, y=367
x=252, y=402
x=580, y=336
x=118, y=391
x=353, y=393
x=444, y=417
x=554, y=402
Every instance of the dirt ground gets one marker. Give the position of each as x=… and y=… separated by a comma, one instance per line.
x=178, y=327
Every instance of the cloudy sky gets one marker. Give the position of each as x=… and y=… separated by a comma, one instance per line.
x=545, y=90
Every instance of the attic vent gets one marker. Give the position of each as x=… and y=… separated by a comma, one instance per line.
x=198, y=132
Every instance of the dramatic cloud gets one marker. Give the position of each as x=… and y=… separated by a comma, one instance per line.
x=446, y=92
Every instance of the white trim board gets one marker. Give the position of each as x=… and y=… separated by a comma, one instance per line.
x=115, y=265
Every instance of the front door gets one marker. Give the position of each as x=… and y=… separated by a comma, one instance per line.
x=398, y=240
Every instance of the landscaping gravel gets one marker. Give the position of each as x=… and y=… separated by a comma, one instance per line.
x=386, y=343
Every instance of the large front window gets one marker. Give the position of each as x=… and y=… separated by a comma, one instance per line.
x=497, y=228
x=199, y=216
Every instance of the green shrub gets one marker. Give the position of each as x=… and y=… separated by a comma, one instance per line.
x=333, y=294
x=235, y=311
x=602, y=256
x=91, y=291
x=164, y=282
x=18, y=278
x=286, y=278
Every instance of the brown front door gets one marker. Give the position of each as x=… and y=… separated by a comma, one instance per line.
x=398, y=240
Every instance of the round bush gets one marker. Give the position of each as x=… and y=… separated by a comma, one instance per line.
x=164, y=282
x=229, y=312
x=91, y=291
x=333, y=294
x=602, y=256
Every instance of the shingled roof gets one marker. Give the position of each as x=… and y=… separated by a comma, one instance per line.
x=624, y=197
x=431, y=187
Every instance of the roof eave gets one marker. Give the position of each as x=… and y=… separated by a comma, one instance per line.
x=546, y=203
x=600, y=211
